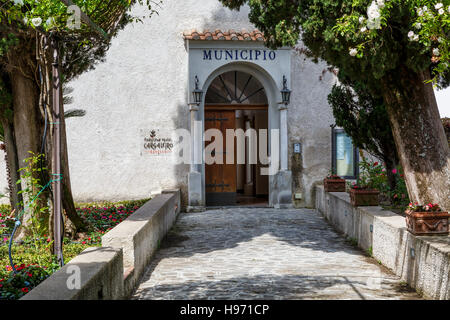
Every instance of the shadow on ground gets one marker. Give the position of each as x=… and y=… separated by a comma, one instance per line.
x=289, y=287
x=227, y=228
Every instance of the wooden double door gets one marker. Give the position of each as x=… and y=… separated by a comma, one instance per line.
x=220, y=179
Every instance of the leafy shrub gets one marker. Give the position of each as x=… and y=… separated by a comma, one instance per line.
x=373, y=176
x=6, y=225
x=16, y=285
x=106, y=216
x=102, y=217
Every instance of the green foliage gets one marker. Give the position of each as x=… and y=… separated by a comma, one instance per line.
x=105, y=216
x=426, y=24
x=5, y=104
x=364, y=118
x=352, y=241
x=37, y=225
x=102, y=217
x=14, y=286
x=5, y=208
x=25, y=254
x=6, y=222
x=51, y=15
x=373, y=175
x=31, y=189
x=331, y=29
x=82, y=47
x=431, y=207
x=370, y=252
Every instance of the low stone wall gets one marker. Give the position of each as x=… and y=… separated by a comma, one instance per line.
x=95, y=274
x=140, y=235
x=422, y=262
x=112, y=271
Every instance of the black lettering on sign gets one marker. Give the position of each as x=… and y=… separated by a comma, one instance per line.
x=239, y=55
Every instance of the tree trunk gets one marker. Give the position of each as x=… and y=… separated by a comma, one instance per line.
x=27, y=126
x=419, y=136
x=29, y=129
x=67, y=198
x=12, y=165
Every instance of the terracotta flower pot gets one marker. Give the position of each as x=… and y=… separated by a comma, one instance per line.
x=364, y=197
x=427, y=223
x=334, y=185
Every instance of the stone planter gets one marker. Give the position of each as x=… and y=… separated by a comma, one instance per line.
x=334, y=185
x=364, y=197
x=427, y=223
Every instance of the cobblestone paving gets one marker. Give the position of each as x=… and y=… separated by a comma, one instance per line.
x=249, y=253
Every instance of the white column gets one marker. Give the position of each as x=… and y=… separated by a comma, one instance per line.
x=283, y=138
x=194, y=111
x=195, y=198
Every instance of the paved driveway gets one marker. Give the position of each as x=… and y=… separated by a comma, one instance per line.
x=248, y=253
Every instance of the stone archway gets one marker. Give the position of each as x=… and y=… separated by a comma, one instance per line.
x=236, y=102
x=279, y=185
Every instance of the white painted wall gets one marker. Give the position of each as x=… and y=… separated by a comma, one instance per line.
x=143, y=86
x=309, y=120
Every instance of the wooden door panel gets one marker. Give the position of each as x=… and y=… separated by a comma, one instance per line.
x=228, y=170
x=220, y=178
x=212, y=171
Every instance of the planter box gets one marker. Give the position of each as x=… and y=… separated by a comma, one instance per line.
x=334, y=185
x=427, y=223
x=361, y=197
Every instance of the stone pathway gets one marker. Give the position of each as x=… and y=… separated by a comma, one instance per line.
x=249, y=253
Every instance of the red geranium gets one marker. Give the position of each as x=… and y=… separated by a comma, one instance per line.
x=416, y=207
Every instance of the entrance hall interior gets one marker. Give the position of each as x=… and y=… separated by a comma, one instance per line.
x=236, y=100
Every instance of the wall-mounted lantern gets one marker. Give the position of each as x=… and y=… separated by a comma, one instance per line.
x=197, y=93
x=285, y=93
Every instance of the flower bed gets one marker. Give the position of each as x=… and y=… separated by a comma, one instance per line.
x=27, y=277
x=100, y=217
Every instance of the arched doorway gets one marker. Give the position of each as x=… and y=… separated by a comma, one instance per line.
x=235, y=101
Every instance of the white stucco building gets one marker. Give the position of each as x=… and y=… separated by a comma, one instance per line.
x=143, y=92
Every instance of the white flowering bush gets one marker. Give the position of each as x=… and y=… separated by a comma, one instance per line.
x=429, y=27
x=54, y=14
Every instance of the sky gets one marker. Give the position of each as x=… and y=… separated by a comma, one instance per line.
x=443, y=101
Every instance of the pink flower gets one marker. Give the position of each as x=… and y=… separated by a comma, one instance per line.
x=394, y=171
